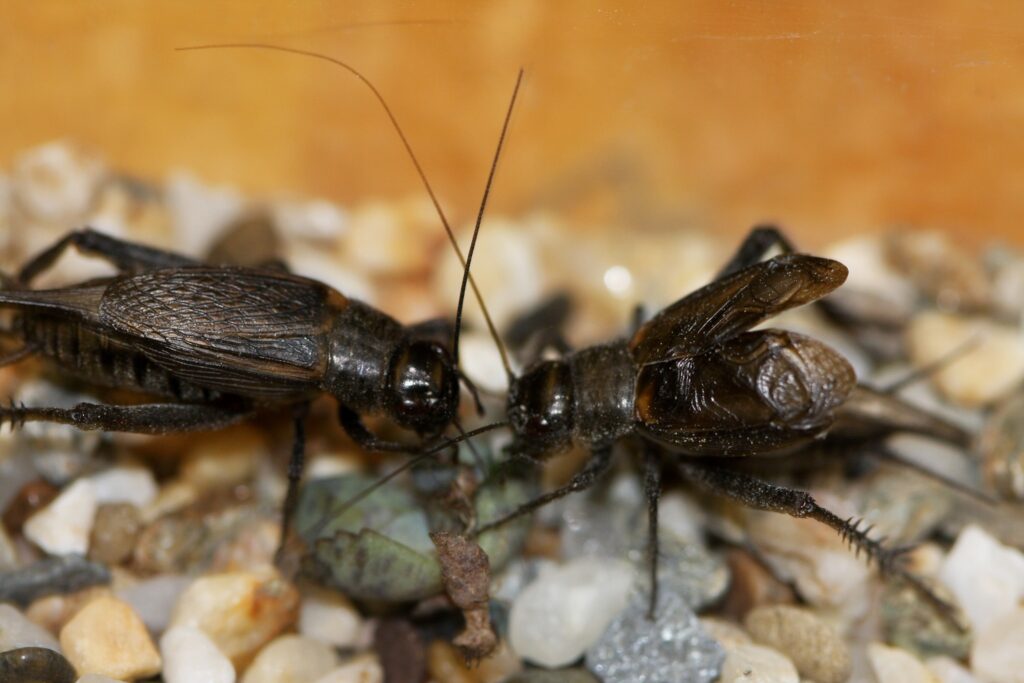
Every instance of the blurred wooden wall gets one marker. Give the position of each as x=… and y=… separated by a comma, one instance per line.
x=829, y=117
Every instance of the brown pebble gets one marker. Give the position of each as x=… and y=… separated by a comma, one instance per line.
x=35, y=665
x=33, y=496
x=812, y=645
x=401, y=651
x=114, y=532
x=752, y=586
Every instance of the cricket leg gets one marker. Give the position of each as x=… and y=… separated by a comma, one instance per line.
x=760, y=495
x=296, y=465
x=354, y=427
x=755, y=245
x=652, y=490
x=150, y=418
x=600, y=460
x=127, y=257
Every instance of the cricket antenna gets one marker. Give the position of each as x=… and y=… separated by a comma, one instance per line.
x=408, y=464
x=476, y=232
x=419, y=171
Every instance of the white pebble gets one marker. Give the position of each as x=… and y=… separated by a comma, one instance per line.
x=315, y=219
x=948, y=670
x=480, y=361
x=333, y=620
x=63, y=526
x=96, y=678
x=291, y=659
x=997, y=655
x=748, y=663
x=986, y=577
x=56, y=182
x=16, y=630
x=153, y=599
x=894, y=665
x=134, y=485
x=190, y=656
x=558, y=616
x=364, y=669
x=106, y=637
x=200, y=214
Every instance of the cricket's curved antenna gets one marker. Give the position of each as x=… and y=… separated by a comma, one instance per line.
x=408, y=464
x=419, y=171
x=476, y=231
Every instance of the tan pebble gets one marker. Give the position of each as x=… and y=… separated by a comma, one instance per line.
x=728, y=634
x=445, y=664
x=948, y=670
x=394, y=238
x=224, y=459
x=993, y=367
x=894, y=665
x=498, y=666
x=813, y=646
x=239, y=611
x=291, y=659
x=362, y=669
x=749, y=663
x=54, y=611
x=106, y=637
x=752, y=586
x=251, y=548
x=96, y=678
x=173, y=496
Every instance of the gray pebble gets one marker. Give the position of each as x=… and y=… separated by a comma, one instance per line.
x=672, y=647
x=49, y=576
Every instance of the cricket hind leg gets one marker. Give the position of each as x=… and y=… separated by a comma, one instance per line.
x=147, y=418
x=599, y=463
x=126, y=256
x=760, y=495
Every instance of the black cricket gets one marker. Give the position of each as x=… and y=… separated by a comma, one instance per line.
x=696, y=382
x=217, y=344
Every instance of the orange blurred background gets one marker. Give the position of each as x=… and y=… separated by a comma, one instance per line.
x=832, y=118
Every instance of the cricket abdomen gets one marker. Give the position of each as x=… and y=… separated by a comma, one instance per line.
x=103, y=359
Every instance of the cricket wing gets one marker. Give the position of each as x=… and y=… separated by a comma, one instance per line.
x=733, y=304
x=758, y=392
x=255, y=332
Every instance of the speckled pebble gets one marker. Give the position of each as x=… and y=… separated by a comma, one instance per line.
x=107, y=637
x=16, y=630
x=239, y=611
x=893, y=665
x=291, y=659
x=63, y=527
x=114, y=532
x=562, y=613
x=813, y=646
x=190, y=656
x=751, y=663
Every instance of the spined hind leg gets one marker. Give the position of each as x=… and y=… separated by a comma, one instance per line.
x=761, y=495
x=127, y=257
x=148, y=418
